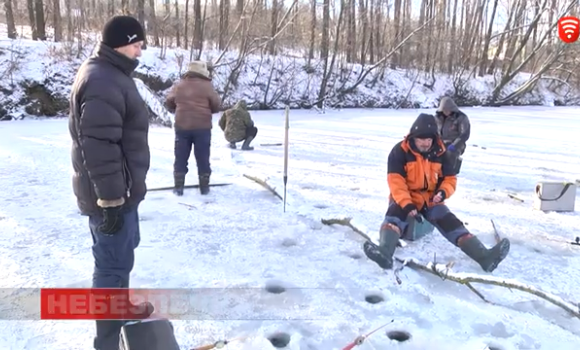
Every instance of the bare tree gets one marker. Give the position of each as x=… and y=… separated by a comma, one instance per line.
x=10, y=24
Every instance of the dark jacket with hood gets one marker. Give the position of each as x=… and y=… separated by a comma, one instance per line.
x=108, y=124
x=454, y=129
x=415, y=177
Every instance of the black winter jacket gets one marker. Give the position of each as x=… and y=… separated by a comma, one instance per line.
x=108, y=124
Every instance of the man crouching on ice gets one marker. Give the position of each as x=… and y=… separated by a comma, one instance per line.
x=420, y=178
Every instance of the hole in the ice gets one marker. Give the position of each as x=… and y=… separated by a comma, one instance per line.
x=493, y=347
x=320, y=206
x=274, y=288
x=374, y=298
x=289, y=242
x=399, y=336
x=279, y=340
x=355, y=256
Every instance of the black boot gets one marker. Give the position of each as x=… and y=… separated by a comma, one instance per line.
x=232, y=145
x=488, y=259
x=246, y=146
x=204, y=183
x=108, y=332
x=179, y=179
x=382, y=254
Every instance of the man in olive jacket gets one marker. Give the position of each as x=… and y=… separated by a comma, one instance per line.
x=108, y=125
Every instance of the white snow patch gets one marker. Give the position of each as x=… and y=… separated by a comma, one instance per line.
x=238, y=236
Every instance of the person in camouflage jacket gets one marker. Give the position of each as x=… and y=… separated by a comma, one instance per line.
x=238, y=126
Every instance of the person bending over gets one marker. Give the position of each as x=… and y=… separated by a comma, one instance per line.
x=238, y=126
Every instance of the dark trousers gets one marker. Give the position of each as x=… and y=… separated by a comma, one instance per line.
x=200, y=140
x=252, y=131
x=455, y=157
x=114, y=257
x=439, y=216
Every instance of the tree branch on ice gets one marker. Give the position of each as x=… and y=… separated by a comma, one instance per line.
x=264, y=184
x=468, y=279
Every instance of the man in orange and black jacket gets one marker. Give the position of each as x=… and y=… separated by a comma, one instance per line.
x=420, y=179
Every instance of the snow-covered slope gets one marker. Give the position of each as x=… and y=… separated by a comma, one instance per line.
x=266, y=82
x=238, y=236
x=154, y=102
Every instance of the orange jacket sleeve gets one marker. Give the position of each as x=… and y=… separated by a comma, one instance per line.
x=396, y=177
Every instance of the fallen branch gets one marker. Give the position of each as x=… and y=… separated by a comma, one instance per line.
x=495, y=233
x=264, y=184
x=345, y=222
x=348, y=222
x=468, y=279
x=515, y=197
x=190, y=206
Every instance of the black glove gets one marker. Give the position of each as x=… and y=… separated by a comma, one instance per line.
x=112, y=220
x=409, y=208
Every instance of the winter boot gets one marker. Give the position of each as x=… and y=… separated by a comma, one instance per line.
x=232, y=145
x=108, y=331
x=179, y=180
x=382, y=254
x=204, y=183
x=246, y=146
x=488, y=259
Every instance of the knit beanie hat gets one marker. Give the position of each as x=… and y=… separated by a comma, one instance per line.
x=121, y=31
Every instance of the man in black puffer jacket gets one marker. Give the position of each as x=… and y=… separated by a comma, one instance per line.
x=108, y=124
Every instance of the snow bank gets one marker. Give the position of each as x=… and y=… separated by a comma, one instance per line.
x=266, y=82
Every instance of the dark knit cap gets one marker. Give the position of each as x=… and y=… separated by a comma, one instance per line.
x=121, y=31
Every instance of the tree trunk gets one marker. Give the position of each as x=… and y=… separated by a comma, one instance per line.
x=141, y=18
x=273, y=28
x=39, y=18
x=11, y=26
x=224, y=22
x=485, y=53
x=154, y=23
x=31, y=18
x=186, y=26
x=312, y=29
x=197, y=29
x=325, y=30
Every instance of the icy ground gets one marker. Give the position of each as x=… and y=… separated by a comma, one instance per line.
x=239, y=237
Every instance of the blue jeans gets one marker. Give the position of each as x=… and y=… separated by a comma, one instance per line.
x=114, y=257
x=200, y=141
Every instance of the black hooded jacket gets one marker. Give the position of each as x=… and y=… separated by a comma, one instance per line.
x=454, y=129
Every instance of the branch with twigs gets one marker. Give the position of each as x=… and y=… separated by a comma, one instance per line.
x=264, y=184
x=468, y=279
